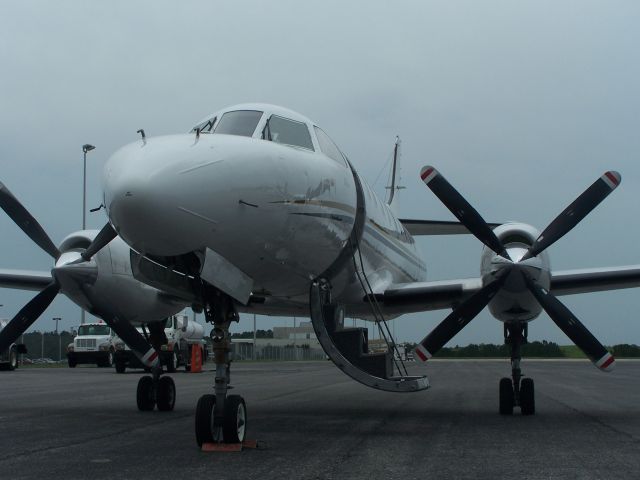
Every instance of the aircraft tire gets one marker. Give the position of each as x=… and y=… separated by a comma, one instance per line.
x=145, y=397
x=13, y=359
x=234, y=426
x=121, y=366
x=506, y=396
x=204, y=419
x=527, y=397
x=172, y=362
x=166, y=394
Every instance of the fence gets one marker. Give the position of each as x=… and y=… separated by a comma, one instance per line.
x=245, y=351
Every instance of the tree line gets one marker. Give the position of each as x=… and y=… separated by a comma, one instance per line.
x=534, y=349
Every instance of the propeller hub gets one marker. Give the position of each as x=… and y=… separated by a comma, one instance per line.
x=73, y=276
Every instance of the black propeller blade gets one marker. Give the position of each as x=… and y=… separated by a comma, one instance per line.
x=26, y=222
x=572, y=327
x=27, y=315
x=574, y=213
x=134, y=340
x=462, y=210
x=103, y=238
x=458, y=319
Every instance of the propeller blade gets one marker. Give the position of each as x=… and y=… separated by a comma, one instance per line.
x=462, y=210
x=134, y=339
x=103, y=238
x=27, y=315
x=26, y=222
x=572, y=327
x=574, y=213
x=458, y=319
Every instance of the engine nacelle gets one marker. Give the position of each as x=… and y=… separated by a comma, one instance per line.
x=105, y=286
x=514, y=302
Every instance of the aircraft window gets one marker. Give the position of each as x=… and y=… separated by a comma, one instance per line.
x=241, y=122
x=288, y=132
x=328, y=147
x=205, y=127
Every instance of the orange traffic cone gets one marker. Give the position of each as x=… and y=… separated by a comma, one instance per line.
x=196, y=359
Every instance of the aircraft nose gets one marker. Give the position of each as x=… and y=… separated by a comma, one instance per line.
x=144, y=192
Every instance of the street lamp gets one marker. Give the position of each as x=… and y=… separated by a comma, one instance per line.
x=57, y=319
x=85, y=148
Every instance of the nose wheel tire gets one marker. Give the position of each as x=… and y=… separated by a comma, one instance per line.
x=234, y=422
x=204, y=419
x=145, y=396
x=506, y=396
x=235, y=419
x=527, y=397
x=166, y=394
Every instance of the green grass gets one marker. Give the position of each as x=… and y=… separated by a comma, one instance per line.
x=571, y=351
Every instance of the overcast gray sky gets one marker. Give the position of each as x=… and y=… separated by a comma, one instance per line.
x=521, y=105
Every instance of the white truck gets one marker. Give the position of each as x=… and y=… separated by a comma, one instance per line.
x=9, y=358
x=93, y=343
x=182, y=334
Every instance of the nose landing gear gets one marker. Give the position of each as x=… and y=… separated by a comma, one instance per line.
x=516, y=391
x=221, y=418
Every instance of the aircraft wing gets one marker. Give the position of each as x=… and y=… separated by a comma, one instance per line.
x=424, y=296
x=24, y=279
x=570, y=282
x=436, y=227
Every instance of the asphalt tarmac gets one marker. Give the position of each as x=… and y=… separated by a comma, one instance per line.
x=316, y=423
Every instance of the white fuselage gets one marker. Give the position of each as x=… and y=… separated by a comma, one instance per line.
x=280, y=213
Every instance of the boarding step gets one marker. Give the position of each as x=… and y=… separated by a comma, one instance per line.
x=348, y=348
x=354, y=346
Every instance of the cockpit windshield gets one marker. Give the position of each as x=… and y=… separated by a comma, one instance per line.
x=288, y=132
x=240, y=122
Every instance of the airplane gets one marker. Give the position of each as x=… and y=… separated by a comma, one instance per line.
x=256, y=210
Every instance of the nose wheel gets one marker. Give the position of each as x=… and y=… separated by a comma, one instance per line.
x=230, y=428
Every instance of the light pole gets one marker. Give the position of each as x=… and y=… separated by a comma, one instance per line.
x=57, y=319
x=85, y=148
x=253, y=350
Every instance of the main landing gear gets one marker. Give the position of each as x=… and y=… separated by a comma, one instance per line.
x=516, y=391
x=154, y=390
x=221, y=418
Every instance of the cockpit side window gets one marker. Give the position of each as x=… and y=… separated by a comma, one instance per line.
x=240, y=122
x=328, y=147
x=288, y=132
x=205, y=127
